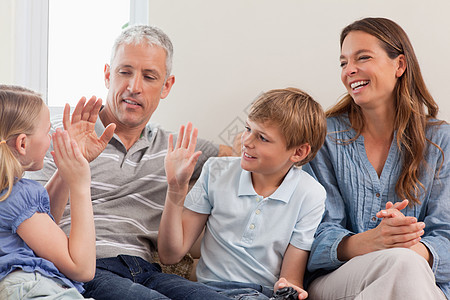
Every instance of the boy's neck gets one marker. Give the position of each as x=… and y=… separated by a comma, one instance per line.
x=265, y=185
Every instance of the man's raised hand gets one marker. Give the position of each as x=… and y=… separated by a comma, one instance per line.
x=81, y=127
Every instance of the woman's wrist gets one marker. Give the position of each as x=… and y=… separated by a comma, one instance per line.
x=354, y=245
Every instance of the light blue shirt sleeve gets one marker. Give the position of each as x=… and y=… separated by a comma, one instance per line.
x=435, y=210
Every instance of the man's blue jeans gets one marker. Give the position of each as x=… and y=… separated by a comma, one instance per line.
x=130, y=277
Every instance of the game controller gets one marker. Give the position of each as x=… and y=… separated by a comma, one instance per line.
x=286, y=293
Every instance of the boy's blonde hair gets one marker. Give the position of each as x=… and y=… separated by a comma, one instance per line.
x=19, y=111
x=300, y=118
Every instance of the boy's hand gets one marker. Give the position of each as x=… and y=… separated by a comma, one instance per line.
x=73, y=167
x=283, y=282
x=180, y=161
x=81, y=127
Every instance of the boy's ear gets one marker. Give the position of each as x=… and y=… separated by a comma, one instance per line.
x=301, y=152
x=21, y=143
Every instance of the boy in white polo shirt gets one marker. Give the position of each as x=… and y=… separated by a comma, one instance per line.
x=260, y=210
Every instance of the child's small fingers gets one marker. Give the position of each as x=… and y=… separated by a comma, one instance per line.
x=187, y=136
x=170, y=143
x=67, y=144
x=61, y=142
x=193, y=142
x=56, y=137
x=180, y=137
x=54, y=157
x=76, y=151
x=303, y=295
x=194, y=158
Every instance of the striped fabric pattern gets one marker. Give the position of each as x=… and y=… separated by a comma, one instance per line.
x=128, y=191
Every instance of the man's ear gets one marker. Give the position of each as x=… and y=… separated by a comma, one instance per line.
x=167, y=86
x=107, y=72
x=21, y=144
x=300, y=152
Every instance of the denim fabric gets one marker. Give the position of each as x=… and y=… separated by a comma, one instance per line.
x=355, y=194
x=241, y=291
x=131, y=277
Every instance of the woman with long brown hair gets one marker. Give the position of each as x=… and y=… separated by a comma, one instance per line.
x=385, y=233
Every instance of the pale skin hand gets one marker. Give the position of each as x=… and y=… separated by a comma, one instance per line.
x=180, y=160
x=398, y=230
x=81, y=129
x=395, y=230
x=179, y=227
x=283, y=282
x=73, y=256
x=70, y=161
x=393, y=211
x=292, y=271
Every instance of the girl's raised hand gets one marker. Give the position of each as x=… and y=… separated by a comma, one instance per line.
x=72, y=166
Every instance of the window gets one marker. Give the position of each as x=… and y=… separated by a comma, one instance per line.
x=81, y=34
x=66, y=61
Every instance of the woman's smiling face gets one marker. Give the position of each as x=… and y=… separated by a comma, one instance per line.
x=368, y=73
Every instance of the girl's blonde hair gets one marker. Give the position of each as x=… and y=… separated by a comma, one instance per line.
x=19, y=111
x=414, y=105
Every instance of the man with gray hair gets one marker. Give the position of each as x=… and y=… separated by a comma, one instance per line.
x=128, y=178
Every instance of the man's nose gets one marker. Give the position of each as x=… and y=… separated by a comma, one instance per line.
x=135, y=84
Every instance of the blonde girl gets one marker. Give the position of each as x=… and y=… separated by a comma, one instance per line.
x=36, y=258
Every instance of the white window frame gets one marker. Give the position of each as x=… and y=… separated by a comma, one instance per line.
x=139, y=12
x=31, y=40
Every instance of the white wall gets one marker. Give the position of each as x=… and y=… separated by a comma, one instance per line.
x=7, y=38
x=227, y=52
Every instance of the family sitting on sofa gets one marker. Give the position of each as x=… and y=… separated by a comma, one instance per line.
x=350, y=203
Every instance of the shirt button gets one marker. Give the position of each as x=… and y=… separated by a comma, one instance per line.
x=258, y=211
x=252, y=226
x=374, y=219
x=377, y=194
